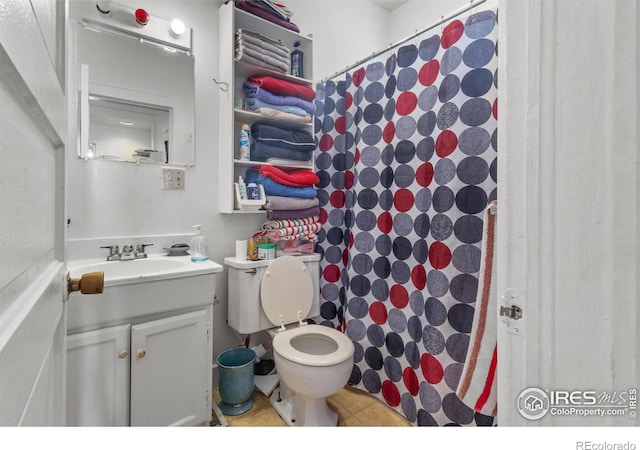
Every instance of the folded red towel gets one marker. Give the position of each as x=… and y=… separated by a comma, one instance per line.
x=283, y=87
x=289, y=177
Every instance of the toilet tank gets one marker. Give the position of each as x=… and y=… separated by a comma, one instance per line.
x=245, y=314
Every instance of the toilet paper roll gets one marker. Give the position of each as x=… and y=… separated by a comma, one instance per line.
x=241, y=250
x=259, y=350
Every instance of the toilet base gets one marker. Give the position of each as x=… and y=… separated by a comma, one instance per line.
x=299, y=411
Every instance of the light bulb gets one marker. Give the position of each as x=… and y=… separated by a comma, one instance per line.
x=177, y=28
x=142, y=17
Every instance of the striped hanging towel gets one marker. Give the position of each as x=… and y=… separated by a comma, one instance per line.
x=477, y=387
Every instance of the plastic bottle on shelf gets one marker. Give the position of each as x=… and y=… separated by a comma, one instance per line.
x=296, y=61
x=197, y=245
x=244, y=142
x=253, y=193
x=242, y=187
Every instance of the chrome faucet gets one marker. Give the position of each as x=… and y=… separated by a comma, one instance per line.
x=127, y=253
x=114, y=252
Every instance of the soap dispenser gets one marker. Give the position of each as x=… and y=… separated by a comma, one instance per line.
x=197, y=245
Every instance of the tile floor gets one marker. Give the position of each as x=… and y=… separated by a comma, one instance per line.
x=355, y=408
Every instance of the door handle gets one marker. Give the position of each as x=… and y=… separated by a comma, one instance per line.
x=141, y=353
x=88, y=283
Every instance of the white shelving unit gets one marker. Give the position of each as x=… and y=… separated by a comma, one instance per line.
x=234, y=73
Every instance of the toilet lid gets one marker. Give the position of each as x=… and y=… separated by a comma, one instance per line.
x=286, y=288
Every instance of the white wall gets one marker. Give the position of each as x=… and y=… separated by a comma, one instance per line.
x=416, y=15
x=343, y=31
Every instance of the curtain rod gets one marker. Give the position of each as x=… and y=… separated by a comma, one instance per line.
x=443, y=19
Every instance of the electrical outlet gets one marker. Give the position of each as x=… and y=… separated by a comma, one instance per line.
x=173, y=179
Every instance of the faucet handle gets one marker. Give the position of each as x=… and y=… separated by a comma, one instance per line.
x=114, y=252
x=140, y=250
x=113, y=249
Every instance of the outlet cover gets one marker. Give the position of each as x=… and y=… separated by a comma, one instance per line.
x=173, y=179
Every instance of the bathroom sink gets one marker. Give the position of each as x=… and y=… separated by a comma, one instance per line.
x=141, y=270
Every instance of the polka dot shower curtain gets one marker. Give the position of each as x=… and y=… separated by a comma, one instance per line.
x=407, y=163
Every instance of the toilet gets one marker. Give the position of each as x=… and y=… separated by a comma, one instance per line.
x=312, y=361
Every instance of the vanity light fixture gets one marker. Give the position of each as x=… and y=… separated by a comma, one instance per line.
x=142, y=16
x=177, y=28
x=127, y=123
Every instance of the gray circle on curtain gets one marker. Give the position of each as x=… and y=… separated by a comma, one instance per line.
x=452, y=375
x=433, y=340
x=356, y=330
x=397, y=320
x=429, y=397
x=358, y=307
x=437, y=283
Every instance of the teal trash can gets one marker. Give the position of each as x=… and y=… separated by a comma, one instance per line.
x=235, y=368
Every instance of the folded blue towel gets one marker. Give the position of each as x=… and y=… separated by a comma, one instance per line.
x=255, y=103
x=274, y=188
x=255, y=91
x=290, y=138
x=263, y=152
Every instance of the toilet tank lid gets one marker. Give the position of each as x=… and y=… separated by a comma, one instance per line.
x=232, y=261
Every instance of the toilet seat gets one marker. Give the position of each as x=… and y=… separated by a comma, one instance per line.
x=285, y=290
x=283, y=344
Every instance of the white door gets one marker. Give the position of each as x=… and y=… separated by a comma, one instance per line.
x=32, y=139
x=98, y=377
x=169, y=372
x=569, y=211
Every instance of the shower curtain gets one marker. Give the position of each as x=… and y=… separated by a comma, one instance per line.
x=407, y=164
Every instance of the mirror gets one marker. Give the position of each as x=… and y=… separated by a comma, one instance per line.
x=137, y=99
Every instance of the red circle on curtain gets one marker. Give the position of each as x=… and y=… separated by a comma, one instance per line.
x=399, y=296
x=385, y=222
x=495, y=109
x=323, y=215
x=348, y=100
x=429, y=72
x=390, y=393
x=431, y=368
x=411, y=380
x=341, y=125
x=337, y=199
x=348, y=179
x=439, y=255
x=326, y=142
x=358, y=76
x=451, y=33
x=378, y=312
x=389, y=132
x=356, y=159
x=419, y=277
x=331, y=273
x=446, y=143
x=407, y=102
x=424, y=174
x=345, y=257
x=403, y=200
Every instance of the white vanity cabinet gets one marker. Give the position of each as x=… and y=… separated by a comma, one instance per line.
x=98, y=377
x=232, y=75
x=151, y=374
x=140, y=353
